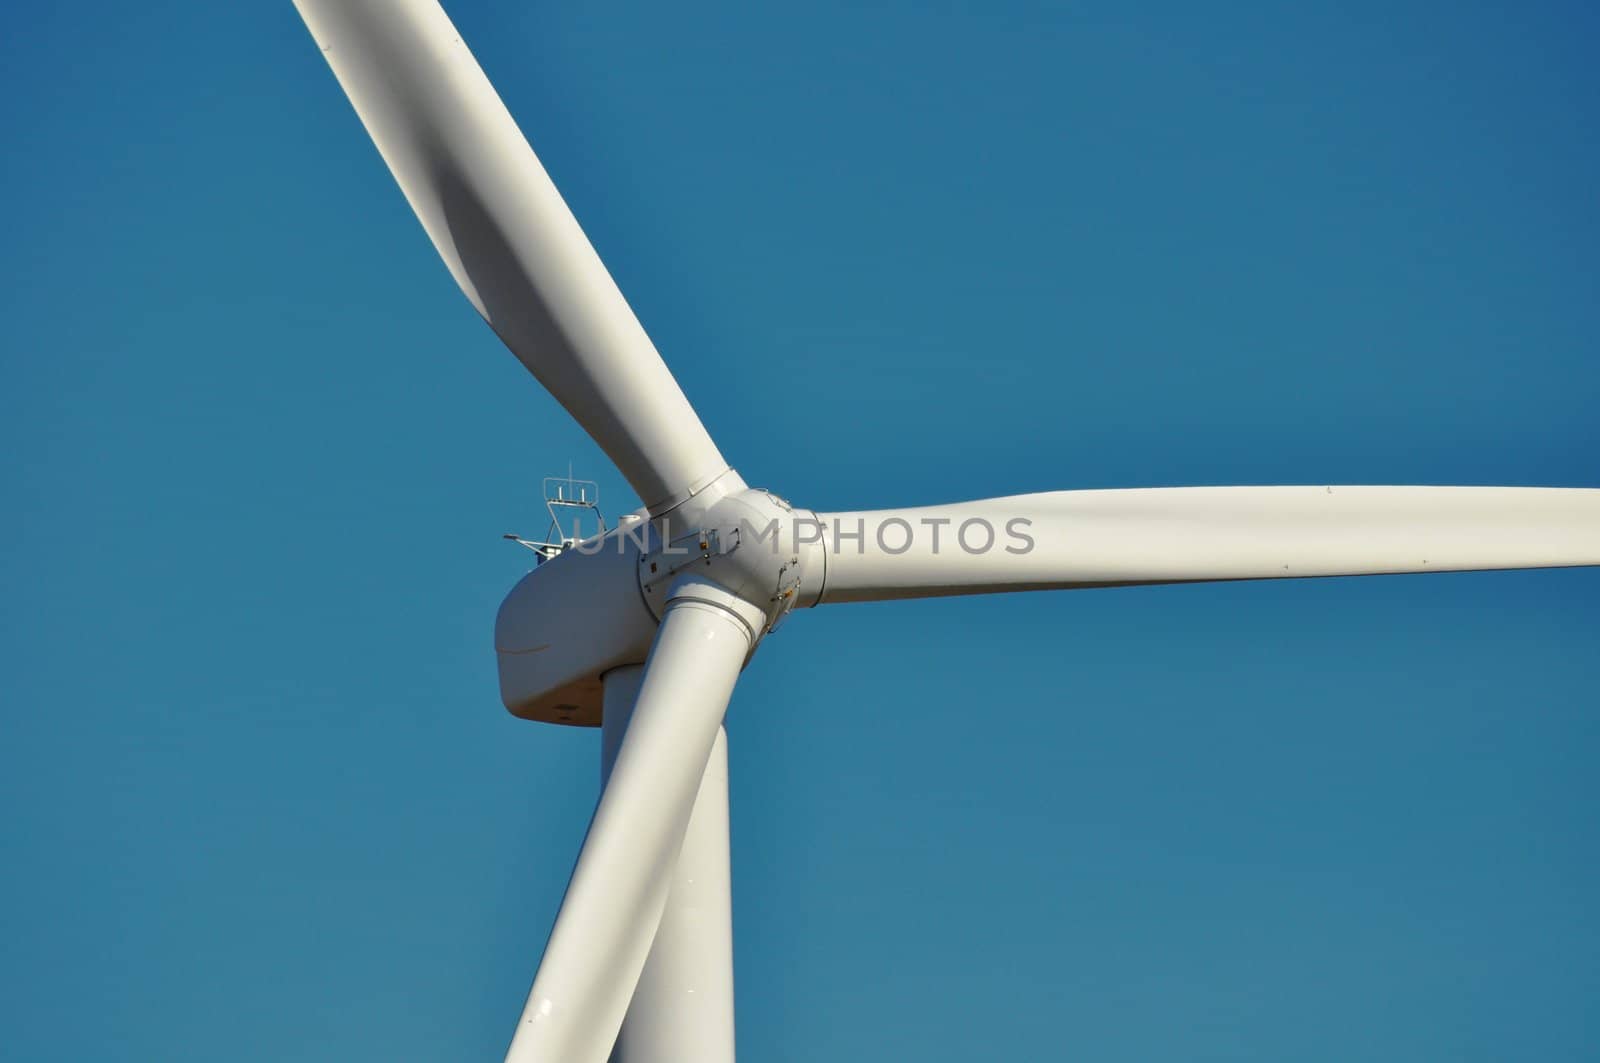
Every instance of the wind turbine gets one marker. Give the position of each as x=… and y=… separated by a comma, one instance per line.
x=643, y=630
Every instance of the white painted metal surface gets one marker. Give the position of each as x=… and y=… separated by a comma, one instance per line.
x=614, y=901
x=508, y=238
x=682, y=1008
x=1068, y=539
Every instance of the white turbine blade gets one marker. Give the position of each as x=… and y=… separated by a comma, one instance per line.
x=614, y=902
x=682, y=1008
x=508, y=238
x=1070, y=539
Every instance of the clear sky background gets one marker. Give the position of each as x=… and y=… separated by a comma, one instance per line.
x=260, y=801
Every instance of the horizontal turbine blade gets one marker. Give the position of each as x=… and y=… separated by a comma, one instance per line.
x=614, y=901
x=1071, y=539
x=508, y=238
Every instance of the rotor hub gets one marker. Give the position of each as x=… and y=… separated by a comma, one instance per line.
x=749, y=542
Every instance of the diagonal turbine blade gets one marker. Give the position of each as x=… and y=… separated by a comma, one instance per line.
x=619, y=887
x=508, y=238
x=1070, y=539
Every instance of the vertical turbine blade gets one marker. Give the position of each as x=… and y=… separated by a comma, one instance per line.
x=614, y=901
x=682, y=1007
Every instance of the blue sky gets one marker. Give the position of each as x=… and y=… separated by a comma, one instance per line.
x=260, y=799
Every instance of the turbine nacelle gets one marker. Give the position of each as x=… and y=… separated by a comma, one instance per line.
x=568, y=622
x=596, y=605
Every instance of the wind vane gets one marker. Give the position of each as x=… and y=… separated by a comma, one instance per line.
x=578, y=499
